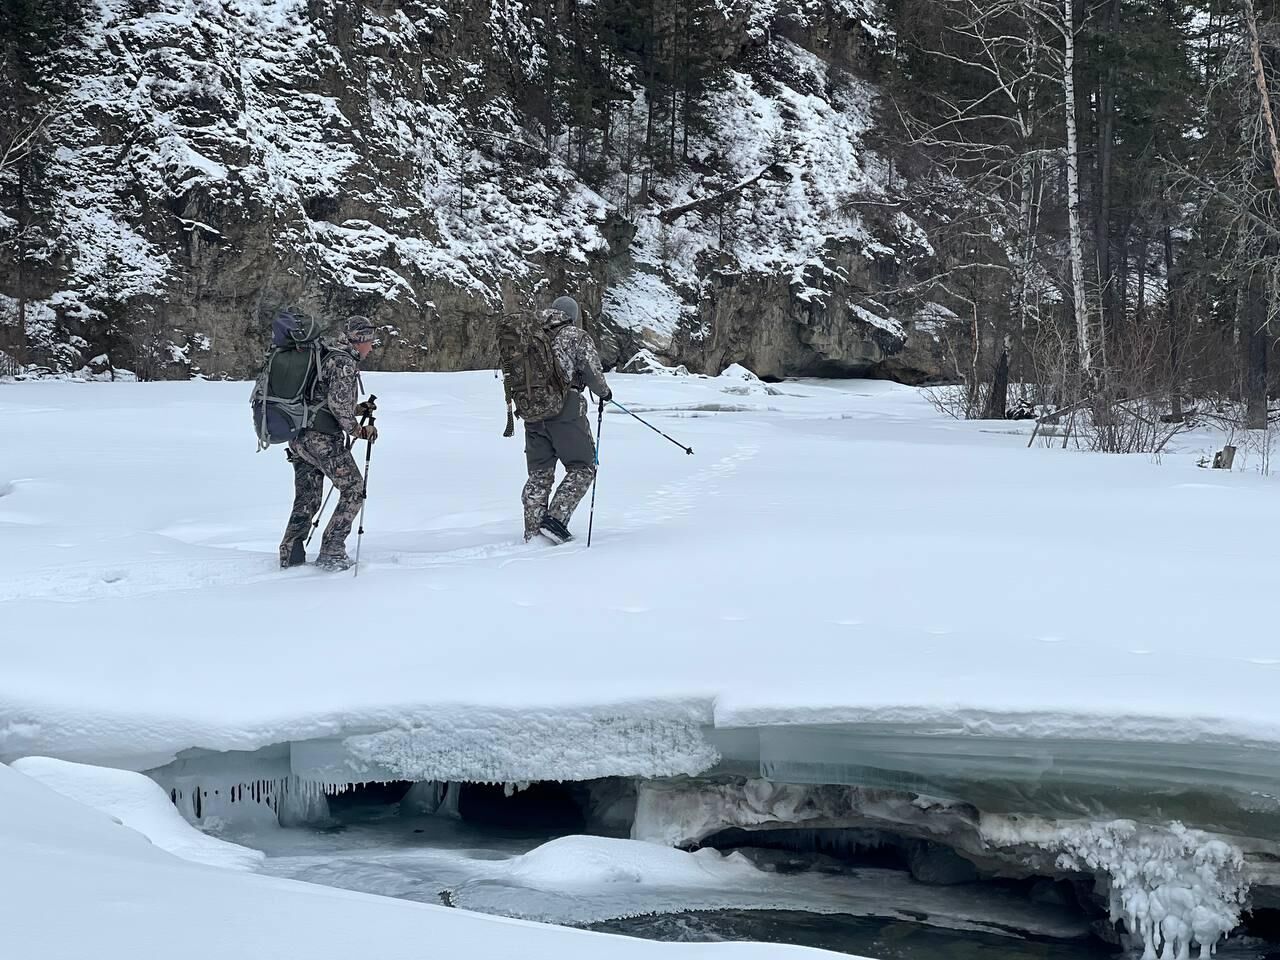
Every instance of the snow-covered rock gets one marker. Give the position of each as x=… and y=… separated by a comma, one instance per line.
x=646, y=362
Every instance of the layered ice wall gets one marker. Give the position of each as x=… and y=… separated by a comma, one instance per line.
x=1175, y=888
x=290, y=781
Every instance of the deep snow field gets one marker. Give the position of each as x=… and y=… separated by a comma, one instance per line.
x=838, y=578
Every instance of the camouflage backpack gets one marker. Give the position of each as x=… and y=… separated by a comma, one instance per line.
x=531, y=376
x=283, y=399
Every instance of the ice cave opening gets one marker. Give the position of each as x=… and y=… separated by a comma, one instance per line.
x=1157, y=887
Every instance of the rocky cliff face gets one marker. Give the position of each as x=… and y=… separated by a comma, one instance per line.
x=205, y=161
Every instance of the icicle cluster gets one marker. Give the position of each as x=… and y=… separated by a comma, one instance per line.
x=1174, y=887
x=198, y=801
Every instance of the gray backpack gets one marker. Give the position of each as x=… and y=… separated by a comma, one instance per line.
x=284, y=397
x=531, y=376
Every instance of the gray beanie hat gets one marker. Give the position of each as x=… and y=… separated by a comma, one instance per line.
x=569, y=307
x=360, y=330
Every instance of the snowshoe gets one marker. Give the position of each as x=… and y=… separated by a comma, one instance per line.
x=555, y=531
x=335, y=564
x=295, y=556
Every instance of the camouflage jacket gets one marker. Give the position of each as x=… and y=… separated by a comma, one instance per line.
x=578, y=359
x=338, y=385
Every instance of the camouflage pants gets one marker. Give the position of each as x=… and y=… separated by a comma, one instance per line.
x=537, y=491
x=315, y=456
x=564, y=438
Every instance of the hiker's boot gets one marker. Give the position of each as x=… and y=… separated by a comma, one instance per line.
x=292, y=554
x=554, y=530
x=335, y=563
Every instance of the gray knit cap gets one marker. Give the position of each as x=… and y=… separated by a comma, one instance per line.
x=569, y=307
x=360, y=330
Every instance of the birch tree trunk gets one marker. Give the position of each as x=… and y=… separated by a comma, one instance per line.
x=1081, y=304
x=1258, y=289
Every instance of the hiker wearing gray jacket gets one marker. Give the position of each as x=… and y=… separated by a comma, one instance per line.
x=564, y=437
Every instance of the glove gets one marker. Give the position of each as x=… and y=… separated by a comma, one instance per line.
x=606, y=396
x=366, y=408
x=367, y=431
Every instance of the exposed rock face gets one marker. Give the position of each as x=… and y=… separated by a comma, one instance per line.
x=760, y=323
x=938, y=866
x=207, y=162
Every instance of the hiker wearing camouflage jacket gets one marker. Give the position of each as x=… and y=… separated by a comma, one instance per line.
x=323, y=450
x=566, y=436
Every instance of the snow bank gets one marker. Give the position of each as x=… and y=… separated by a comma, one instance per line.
x=58, y=854
x=137, y=802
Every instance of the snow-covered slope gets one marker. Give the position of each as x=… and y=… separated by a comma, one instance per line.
x=75, y=884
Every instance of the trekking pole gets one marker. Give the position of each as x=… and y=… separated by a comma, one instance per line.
x=591, y=519
x=688, y=450
x=315, y=523
x=364, y=500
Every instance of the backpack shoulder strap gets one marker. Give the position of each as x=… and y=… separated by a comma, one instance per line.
x=320, y=352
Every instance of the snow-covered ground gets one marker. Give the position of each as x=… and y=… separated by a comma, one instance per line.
x=832, y=553
x=838, y=580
